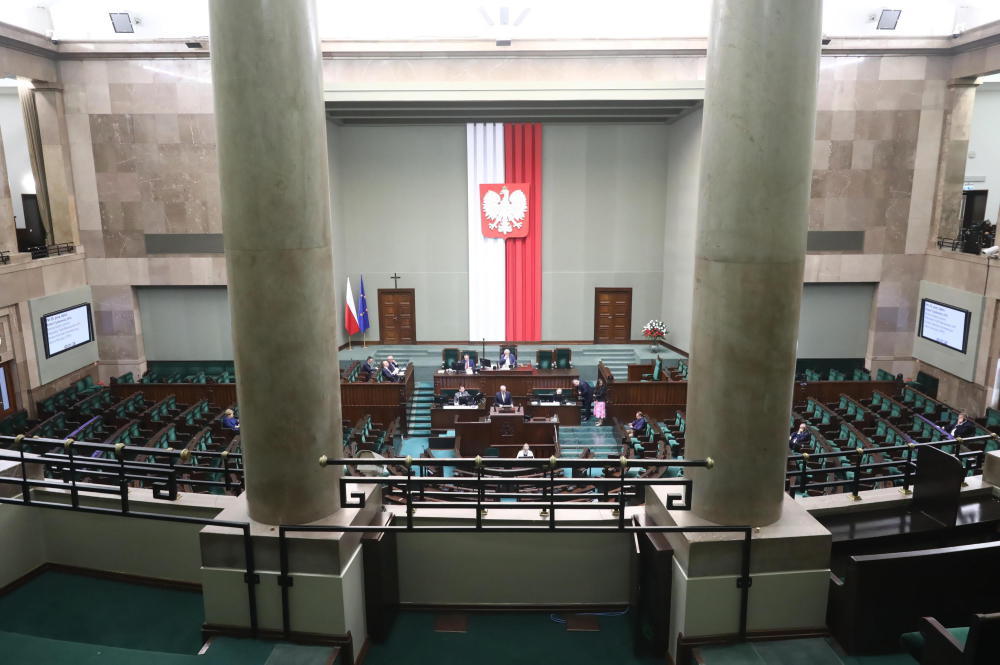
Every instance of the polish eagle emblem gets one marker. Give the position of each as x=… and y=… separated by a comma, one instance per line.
x=504, y=210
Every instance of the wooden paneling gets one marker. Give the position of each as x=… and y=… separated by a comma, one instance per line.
x=519, y=382
x=397, y=322
x=612, y=315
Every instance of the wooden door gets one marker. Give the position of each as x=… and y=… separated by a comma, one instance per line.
x=8, y=400
x=613, y=315
x=397, y=322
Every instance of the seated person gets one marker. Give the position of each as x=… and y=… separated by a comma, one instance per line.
x=525, y=451
x=462, y=396
x=963, y=427
x=503, y=398
x=559, y=397
x=508, y=360
x=230, y=421
x=387, y=373
x=369, y=365
x=467, y=365
x=800, y=438
x=396, y=369
x=638, y=426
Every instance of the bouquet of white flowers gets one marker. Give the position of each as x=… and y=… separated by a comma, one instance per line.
x=655, y=330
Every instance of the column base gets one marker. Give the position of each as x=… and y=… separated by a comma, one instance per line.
x=326, y=570
x=789, y=567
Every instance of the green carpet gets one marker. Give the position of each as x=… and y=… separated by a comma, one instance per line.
x=506, y=639
x=814, y=651
x=78, y=608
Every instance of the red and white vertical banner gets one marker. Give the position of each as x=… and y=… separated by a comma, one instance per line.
x=505, y=234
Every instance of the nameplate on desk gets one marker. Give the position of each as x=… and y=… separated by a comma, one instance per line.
x=461, y=406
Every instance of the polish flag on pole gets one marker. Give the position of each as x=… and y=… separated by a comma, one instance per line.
x=350, y=313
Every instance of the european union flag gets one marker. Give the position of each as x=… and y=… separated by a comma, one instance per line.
x=363, y=308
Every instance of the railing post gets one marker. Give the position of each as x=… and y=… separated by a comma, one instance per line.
x=743, y=583
x=623, y=461
x=907, y=469
x=409, y=497
x=856, y=485
x=479, y=492
x=225, y=470
x=803, y=480
x=73, y=492
x=122, y=481
x=284, y=580
x=253, y=579
x=552, y=492
x=25, y=485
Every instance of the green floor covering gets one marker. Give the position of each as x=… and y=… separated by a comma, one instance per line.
x=60, y=618
x=506, y=639
x=811, y=651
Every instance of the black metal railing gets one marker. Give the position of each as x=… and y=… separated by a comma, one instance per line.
x=76, y=467
x=554, y=497
x=105, y=465
x=4, y=257
x=58, y=249
x=902, y=458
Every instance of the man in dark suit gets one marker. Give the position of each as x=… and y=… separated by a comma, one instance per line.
x=369, y=365
x=393, y=367
x=467, y=365
x=387, y=373
x=800, y=438
x=963, y=427
x=508, y=360
x=586, y=392
x=503, y=398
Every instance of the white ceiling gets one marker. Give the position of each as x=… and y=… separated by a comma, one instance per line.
x=463, y=19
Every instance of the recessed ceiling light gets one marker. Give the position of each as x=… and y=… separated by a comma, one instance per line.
x=121, y=22
x=888, y=19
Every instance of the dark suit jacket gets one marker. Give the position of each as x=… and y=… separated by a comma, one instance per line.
x=600, y=392
x=469, y=364
x=387, y=374
x=504, y=399
x=965, y=430
x=513, y=360
x=369, y=367
x=798, y=440
x=638, y=425
x=586, y=391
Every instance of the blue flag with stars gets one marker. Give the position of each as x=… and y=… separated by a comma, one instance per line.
x=363, y=308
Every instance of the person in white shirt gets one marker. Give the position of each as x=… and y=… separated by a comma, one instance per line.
x=525, y=452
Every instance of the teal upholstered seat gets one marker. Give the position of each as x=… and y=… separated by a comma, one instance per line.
x=544, y=359
x=564, y=358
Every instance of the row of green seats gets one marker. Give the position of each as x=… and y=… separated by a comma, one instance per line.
x=14, y=424
x=885, y=405
x=196, y=413
x=882, y=375
x=861, y=374
x=682, y=368
x=96, y=403
x=67, y=397
x=922, y=429
x=817, y=410
x=129, y=434
x=54, y=427
x=130, y=406
x=127, y=377
x=162, y=409
x=165, y=438
x=928, y=406
x=837, y=375
x=680, y=421
x=92, y=430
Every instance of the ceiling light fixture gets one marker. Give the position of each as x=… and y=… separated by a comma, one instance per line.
x=888, y=19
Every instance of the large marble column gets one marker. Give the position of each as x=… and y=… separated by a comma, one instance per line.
x=953, y=157
x=757, y=138
x=276, y=219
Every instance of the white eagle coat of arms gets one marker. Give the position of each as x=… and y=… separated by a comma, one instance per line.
x=504, y=210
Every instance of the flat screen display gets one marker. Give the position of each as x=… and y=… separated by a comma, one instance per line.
x=944, y=324
x=67, y=329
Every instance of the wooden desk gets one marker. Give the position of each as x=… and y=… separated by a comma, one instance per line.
x=443, y=417
x=504, y=431
x=568, y=414
x=520, y=382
